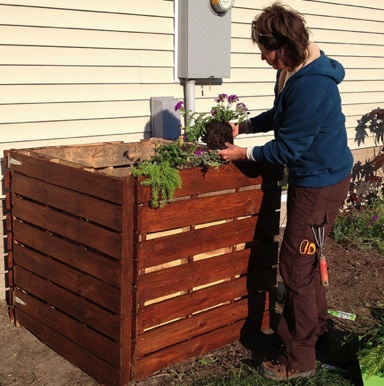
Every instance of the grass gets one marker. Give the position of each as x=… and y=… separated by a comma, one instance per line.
x=249, y=376
x=362, y=228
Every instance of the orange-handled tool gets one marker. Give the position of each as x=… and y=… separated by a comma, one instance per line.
x=319, y=233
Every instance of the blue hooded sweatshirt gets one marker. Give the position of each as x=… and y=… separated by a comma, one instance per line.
x=309, y=126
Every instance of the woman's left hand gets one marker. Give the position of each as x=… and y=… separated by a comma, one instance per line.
x=233, y=153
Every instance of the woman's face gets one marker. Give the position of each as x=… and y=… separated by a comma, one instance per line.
x=271, y=57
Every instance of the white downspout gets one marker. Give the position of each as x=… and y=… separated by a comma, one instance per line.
x=189, y=94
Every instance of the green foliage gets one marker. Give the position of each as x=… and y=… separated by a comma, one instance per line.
x=162, y=170
x=371, y=353
x=162, y=178
x=362, y=227
x=225, y=110
x=361, y=222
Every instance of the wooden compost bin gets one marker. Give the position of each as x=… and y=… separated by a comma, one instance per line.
x=120, y=289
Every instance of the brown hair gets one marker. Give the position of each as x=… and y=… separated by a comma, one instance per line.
x=289, y=31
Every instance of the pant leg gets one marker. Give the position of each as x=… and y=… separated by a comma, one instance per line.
x=305, y=310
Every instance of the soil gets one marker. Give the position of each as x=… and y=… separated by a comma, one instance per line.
x=217, y=133
x=356, y=281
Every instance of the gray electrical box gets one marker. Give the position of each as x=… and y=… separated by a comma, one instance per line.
x=204, y=41
x=165, y=121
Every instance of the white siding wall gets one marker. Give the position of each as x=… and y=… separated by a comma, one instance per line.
x=84, y=71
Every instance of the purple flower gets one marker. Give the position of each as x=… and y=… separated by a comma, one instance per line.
x=213, y=112
x=199, y=151
x=221, y=98
x=179, y=105
x=233, y=98
x=375, y=217
x=241, y=108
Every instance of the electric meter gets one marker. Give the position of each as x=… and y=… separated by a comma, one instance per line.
x=222, y=6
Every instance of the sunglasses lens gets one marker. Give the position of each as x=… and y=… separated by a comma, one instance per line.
x=255, y=35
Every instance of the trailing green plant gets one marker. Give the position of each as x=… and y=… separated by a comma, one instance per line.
x=163, y=179
x=371, y=351
x=162, y=170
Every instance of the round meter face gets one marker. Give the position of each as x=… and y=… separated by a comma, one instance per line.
x=222, y=5
x=226, y=5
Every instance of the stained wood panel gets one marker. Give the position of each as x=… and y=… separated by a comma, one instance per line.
x=111, y=284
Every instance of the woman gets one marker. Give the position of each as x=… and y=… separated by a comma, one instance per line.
x=310, y=139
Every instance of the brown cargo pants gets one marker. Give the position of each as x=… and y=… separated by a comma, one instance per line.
x=304, y=315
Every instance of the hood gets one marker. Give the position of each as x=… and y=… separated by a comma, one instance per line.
x=318, y=63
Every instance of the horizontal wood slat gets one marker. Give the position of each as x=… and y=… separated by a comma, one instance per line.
x=74, y=255
x=198, y=211
x=180, y=306
x=69, y=278
x=164, y=249
x=231, y=176
x=70, y=351
x=76, y=229
x=198, y=324
x=102, y=155
x=71, y=177
x=73, y=305
x=90, y=208
x=122, y=289
x=186, y=276
x=72, y=329
x=199, y=345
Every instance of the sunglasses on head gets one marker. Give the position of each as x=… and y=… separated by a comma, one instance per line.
x=258, y=37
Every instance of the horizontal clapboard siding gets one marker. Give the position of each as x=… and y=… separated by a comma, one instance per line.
x=69, y=67
x=75, y=72
x=349, y=31
x=83, y=71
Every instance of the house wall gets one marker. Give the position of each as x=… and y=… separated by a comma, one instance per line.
x=84, y=71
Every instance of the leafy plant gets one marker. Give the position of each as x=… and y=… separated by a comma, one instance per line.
x=362, y=227
x=374, y=122
x=162, y=178
x=162, y=170
x=371, y=352
x=225, y=110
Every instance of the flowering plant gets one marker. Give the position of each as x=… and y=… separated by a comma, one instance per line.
x=225, y=110
x=161, y=171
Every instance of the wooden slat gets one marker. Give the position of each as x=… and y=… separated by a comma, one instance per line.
x=199, y=345
x=69, y=303
x=164, y=249
x=180, y=306
x=76, y=332
x=69, y=253
x=81, y=358
x=73, y=228
x=230, y=176
x=128, y=274
x=198, y=211
x=101, y=155
x=75, y=281
x=70, y=177
x=88, y=207
x=185, y=329
x=190, y=275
